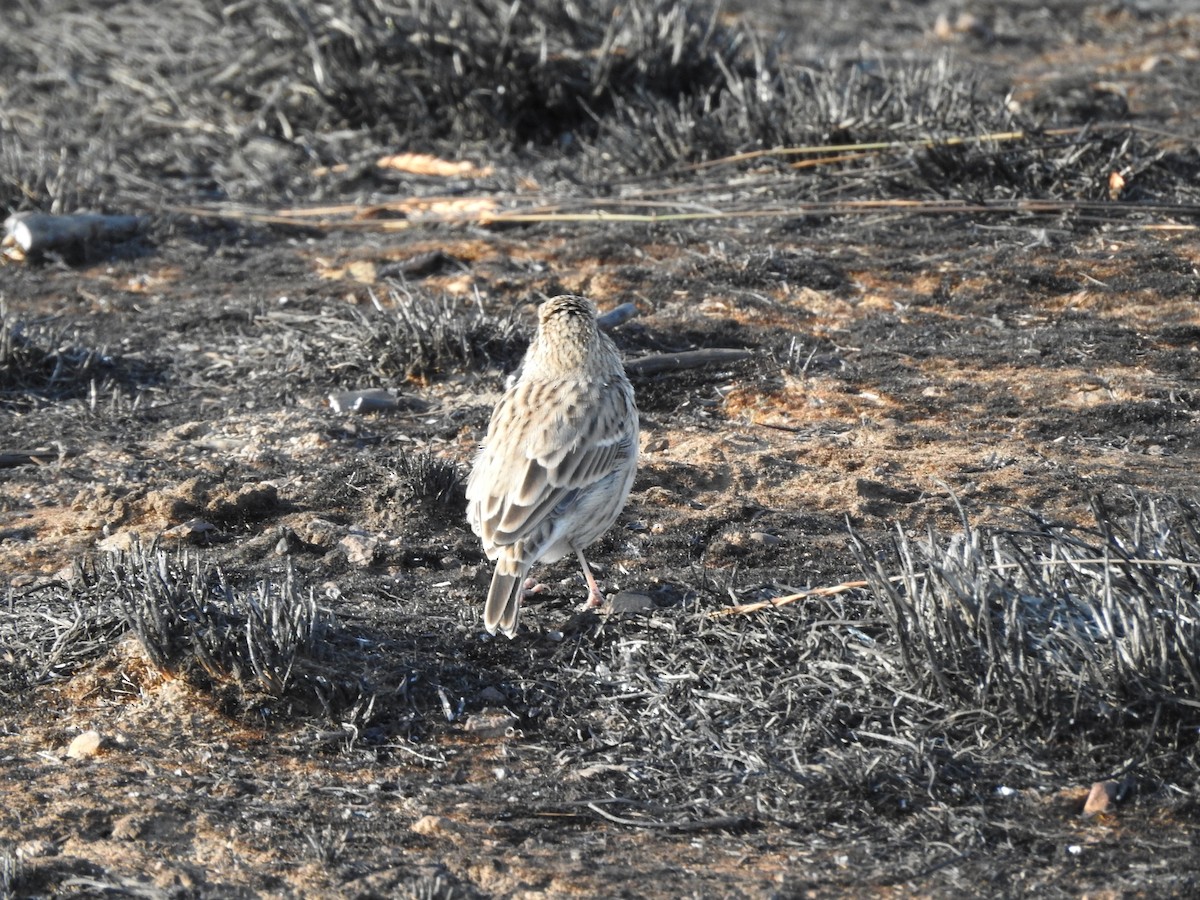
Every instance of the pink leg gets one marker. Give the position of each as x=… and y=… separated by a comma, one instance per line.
x=595, y=598
x=534, y=587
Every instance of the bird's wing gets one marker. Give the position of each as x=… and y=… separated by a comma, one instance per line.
x=543, y=447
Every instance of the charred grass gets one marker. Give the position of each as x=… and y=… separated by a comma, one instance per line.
x=967, y=403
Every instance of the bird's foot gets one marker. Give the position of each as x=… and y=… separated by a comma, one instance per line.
x=594, y=600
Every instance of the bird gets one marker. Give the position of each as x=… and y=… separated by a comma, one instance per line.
x=559, y=457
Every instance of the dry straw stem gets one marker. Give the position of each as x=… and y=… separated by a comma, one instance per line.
x=876, y=147
x=831, y=590
x=594, y=211
x=647, y=207
x=789, y=599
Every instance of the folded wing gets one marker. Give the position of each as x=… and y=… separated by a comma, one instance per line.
x=516, y=489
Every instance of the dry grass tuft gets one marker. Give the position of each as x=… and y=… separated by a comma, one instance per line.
x=424, y=335
x=39, y=363
x=1054, y=626
x=431, y=480
x=191, y=620
x=10, y=871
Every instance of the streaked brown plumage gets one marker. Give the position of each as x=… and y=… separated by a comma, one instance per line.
x=559, y=457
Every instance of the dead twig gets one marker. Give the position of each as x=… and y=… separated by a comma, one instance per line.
x=686, y=359
x=40, y=456
x=38, y=232
x=787, y=600
x=727, y=823
x=832, y=590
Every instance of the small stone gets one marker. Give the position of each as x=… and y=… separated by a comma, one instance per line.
x=617, y=316
x=433, y=826
x=491, y=695
x=320, y=532
x=491, y=723
x=120, y=542
x=129, y=828
x=360, y=548
x=877, y=490
x=762, y=537
x=195, y=530
x=629, y=602
x=364, y=401
x=85, y=745
x=1101, y=797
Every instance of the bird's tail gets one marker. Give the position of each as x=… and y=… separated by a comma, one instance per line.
x=504, y=601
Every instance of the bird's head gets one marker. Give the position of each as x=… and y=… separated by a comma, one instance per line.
x=567, y=333
x=567, y=311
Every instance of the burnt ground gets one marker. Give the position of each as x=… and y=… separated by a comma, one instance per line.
x=971, y=384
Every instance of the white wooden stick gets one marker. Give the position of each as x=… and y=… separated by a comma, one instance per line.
x=37, y=232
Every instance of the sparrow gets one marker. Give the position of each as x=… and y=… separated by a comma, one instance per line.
x=559, y=457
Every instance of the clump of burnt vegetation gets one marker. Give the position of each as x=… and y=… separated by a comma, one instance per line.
x=49, y=631
x=1054, y=625
x=255, y=644
x=432, y=481
x=586, y=96
x=189, y=616
x=993, y=658
x=986, y=660
x=40, y=363
x=193, y=623
x=329, y=83
x=10, y=869
x=424, y=335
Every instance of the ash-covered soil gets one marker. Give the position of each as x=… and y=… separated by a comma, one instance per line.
x=959, y=249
